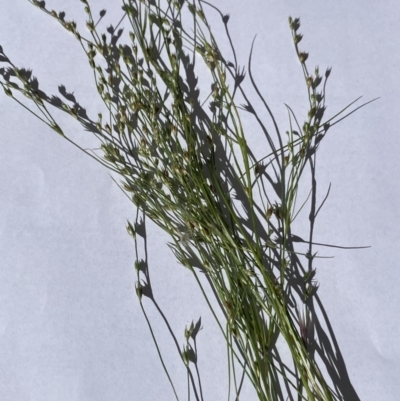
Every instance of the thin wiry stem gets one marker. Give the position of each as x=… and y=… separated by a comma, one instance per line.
x=192, y=172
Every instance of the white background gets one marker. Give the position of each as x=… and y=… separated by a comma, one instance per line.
x=70, y=324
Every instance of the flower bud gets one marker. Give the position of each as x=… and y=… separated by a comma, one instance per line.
x=286, y=160
x=90, y=25
x=131, y=230
x=137, y=266
x=312, y=112
x=201, y=15
x=57, y=128
x=298, y=38
x=185, y=356
x=139, y=291
x=8, y=92
x=303, y=57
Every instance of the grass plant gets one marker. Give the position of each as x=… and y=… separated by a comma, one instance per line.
x=185, y=163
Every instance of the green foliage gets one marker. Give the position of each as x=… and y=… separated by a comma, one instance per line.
x=189, y=168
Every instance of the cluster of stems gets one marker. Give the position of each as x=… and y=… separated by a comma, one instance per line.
x=189, y=168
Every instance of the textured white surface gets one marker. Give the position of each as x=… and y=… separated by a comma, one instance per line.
x=70, y=324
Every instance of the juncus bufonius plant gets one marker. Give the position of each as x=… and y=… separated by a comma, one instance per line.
x=185, y=163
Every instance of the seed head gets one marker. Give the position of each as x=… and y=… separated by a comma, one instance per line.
x=8, y=91
x=131, y=230
x=303, y=57
x=298, y=38
x=139, y=291
x=90, y=25
x=185, y=356
x=137, y=266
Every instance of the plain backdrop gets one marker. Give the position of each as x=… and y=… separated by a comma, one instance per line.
x=71, y=328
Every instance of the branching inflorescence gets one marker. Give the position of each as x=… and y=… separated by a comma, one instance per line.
x=188, y=167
